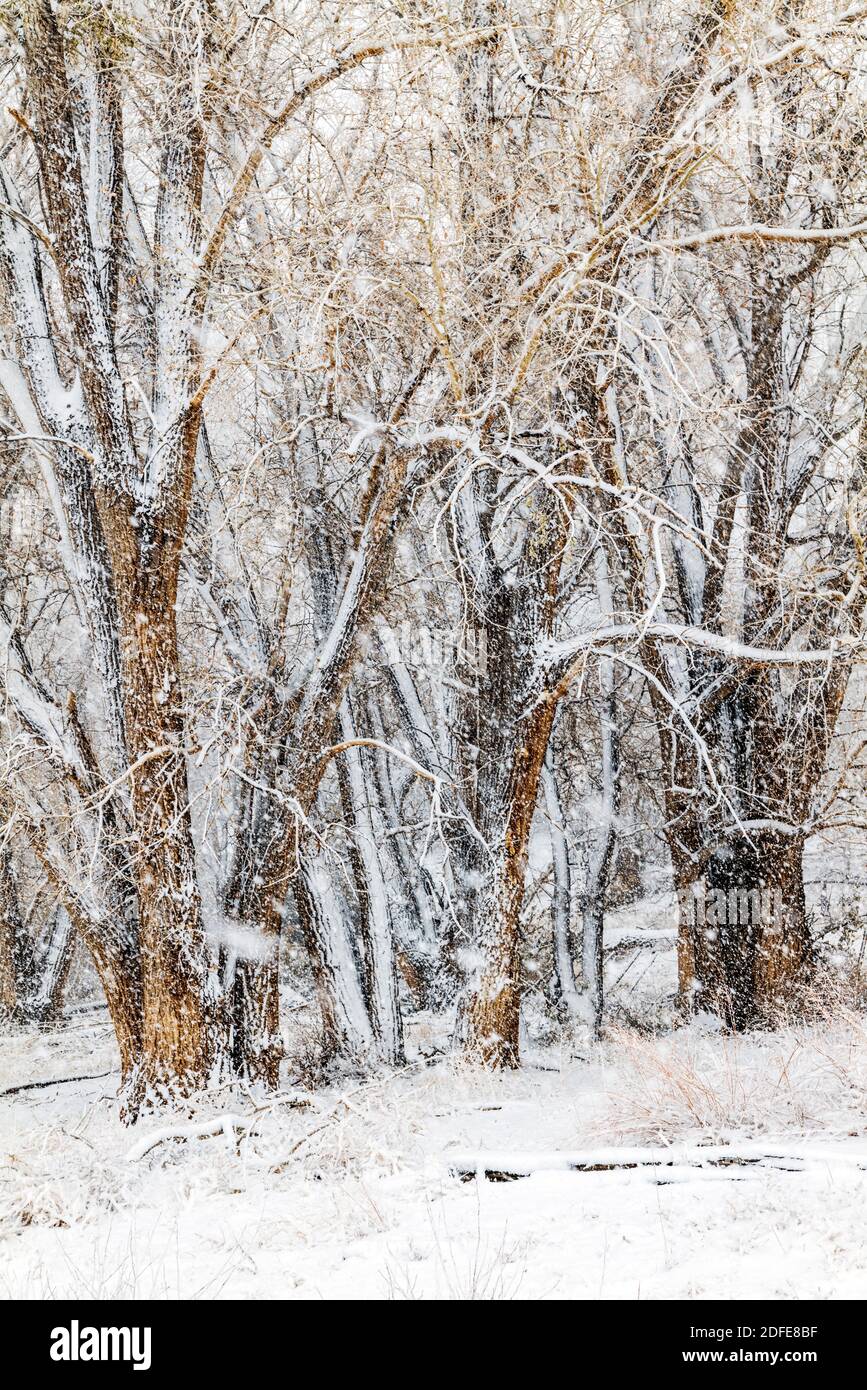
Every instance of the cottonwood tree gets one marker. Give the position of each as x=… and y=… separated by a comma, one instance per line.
x=773, y=311
x=522, y=333
x=108, y=378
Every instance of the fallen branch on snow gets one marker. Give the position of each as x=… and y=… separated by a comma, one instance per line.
x=197, y=1129
x=233, y=1126
x=642, y=941
x=662, y=1165
x=60, y=1081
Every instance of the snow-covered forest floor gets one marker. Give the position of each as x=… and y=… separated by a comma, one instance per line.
x=349, y=1193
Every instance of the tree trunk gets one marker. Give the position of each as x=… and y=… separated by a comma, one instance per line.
x=178, y=1023
x=491, y=1021
x=52, y=968
x=374, y=905
x=142, y=499
x=602, y=855
x=347, y=1033
x=744, y=921
x=564, y=987
x=16, y=952
x=491, y=1013
x=253, y=1003
x=417, y=944
x=117, y=963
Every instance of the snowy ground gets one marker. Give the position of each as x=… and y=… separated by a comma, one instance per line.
x=349, y=1194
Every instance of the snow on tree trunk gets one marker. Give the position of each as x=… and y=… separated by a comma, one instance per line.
x=490, y=1021
x=374, y=902
x=746, y=919
x=16, y=953
x=561, y=895
x=347, y=1032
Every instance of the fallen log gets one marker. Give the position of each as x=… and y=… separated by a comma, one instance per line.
x=664, y=939
x=661, y=1165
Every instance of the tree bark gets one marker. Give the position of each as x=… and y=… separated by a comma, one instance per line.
x=16, y=950
x=347, y=1033
x=491, y=1013
x=178, y=1023
x=745, y=922
x=563, y=984
x=374, y=905
x=52, y=968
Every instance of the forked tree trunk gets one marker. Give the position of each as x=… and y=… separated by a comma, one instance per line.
x=141, y=491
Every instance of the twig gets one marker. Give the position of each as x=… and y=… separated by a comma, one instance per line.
x=61, y=1081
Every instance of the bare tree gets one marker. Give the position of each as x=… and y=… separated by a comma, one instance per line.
x=500, y=326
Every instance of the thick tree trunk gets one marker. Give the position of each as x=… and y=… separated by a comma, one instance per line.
x=785, y=959
x=178, y=1022
x=117, y=963
x=251, y=1006
x=744, y=930
x=142, y=499
x=491, y=1023
x=254, y=1016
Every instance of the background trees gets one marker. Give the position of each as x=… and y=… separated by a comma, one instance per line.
x=387, y=385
